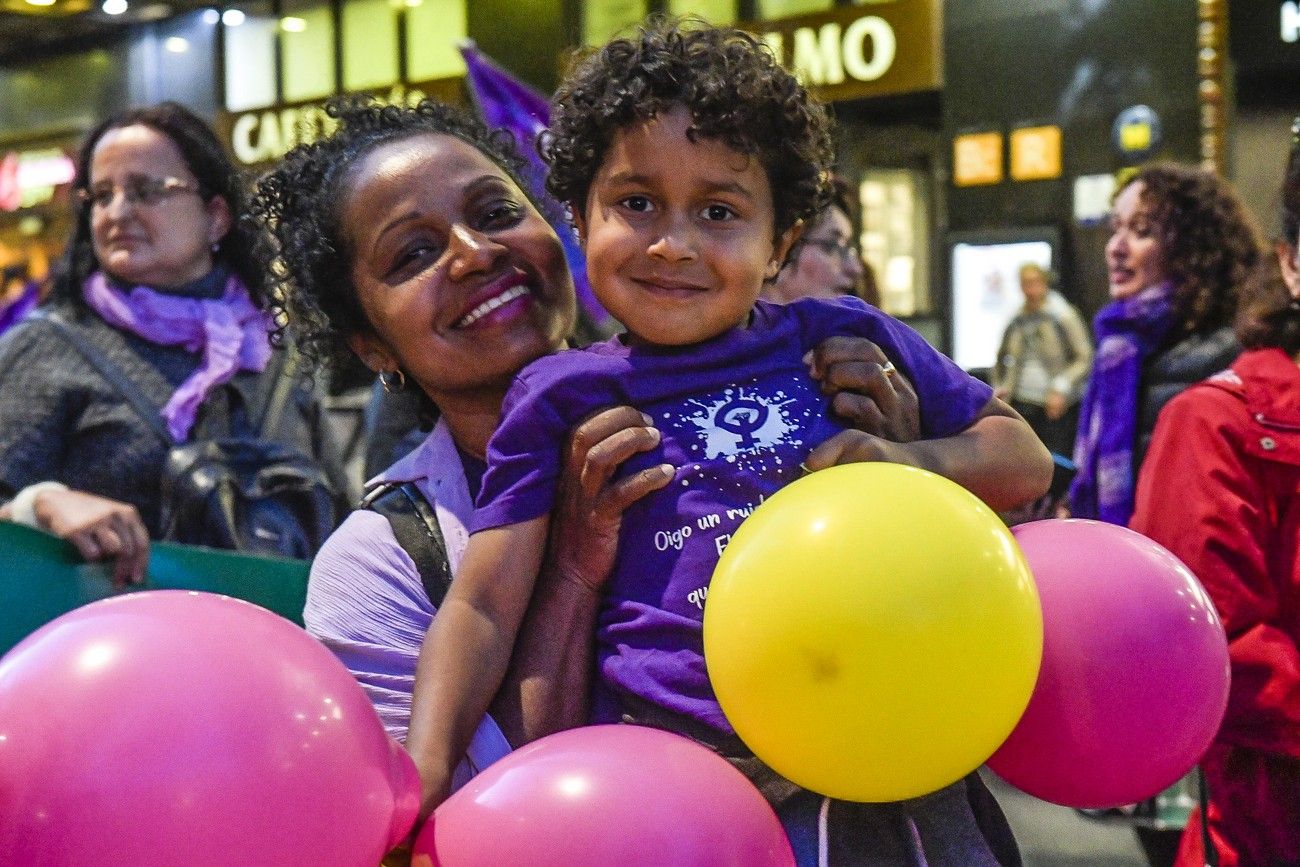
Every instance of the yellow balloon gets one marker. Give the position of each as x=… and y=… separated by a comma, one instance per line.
x=873, y=632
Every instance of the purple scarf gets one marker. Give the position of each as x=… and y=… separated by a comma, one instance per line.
x=1128, y=332
x=16, y=310
x=231, y=332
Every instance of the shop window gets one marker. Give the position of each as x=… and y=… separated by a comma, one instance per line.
x=428, y=58
x=895, y=238
x=712, y=11
x=249, y=32
x=769, y=9
x=603, y=19
x=370, y=44
x=307, y=51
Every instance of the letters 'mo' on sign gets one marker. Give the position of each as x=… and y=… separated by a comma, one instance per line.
x=871, y=50
x=977, y=159
x=1036, y=153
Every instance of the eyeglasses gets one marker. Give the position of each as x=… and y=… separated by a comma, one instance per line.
x=836, y=249
x=141, y=191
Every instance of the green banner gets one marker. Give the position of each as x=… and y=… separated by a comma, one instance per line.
x=42, y=577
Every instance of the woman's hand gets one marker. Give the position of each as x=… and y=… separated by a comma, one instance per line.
x=589, y=504
x=866, y=390
x=99, y=528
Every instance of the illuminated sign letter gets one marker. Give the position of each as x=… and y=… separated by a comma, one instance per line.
x=817, y=55
x=883, y=48
x=1290, y=21
x=241, y=140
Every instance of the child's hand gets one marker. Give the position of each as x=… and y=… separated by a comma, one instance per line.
x=854, y=446
x=589, y=506
x=866, y=390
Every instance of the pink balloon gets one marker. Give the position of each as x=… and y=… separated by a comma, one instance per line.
x=1134, y=681
x=604, y=795
x=173, y=727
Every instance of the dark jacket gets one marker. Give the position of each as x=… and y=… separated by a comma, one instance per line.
x=61, y=421
x=1186, y=360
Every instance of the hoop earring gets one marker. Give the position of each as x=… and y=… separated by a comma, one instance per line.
x=393, y=381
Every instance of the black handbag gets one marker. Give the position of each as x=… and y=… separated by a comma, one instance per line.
x=242, y=492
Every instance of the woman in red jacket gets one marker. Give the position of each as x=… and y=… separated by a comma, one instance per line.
x=1221, y=489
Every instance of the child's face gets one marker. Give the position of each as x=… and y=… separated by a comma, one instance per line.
x=679, y=234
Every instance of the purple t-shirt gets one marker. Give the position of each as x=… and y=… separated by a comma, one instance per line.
x=737, y=415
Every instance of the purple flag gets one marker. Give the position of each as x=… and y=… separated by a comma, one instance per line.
x=505, y=102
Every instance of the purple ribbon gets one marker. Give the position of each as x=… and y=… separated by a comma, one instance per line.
x=16, y=310
x=232, y=332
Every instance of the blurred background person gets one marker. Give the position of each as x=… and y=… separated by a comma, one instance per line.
x=1219, y=489
x=826, y=262
x=1044, y=360
x=1181, y=246
x=19, y=295
x=159, y=278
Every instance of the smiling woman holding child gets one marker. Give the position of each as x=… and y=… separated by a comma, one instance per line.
x=689, y=159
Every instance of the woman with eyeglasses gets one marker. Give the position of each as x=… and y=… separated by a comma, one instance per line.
x=159, y=280
x=826, y=263
x=1221, y=489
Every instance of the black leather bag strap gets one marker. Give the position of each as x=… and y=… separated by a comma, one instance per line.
x=415, y=526
x=113, y=375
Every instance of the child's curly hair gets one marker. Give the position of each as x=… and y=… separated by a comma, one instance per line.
x=298, y=207
x=735, y=90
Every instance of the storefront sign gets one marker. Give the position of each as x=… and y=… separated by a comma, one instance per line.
x=977, y=159
x=28, y=178
x=267, y=134
x=1036, y=153
x=885, y=48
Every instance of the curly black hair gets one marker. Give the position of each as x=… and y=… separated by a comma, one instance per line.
x=212, y=168
x=734, y=88
x=298, y=206
x=1269, y=315
x=1210, y=242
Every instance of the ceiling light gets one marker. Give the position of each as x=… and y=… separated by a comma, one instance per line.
x=412, y=4
x=293, y=24
x=211, y=16
x=232, y=17
x=114, y=7
x=154, y=12
x=40, y=2
x=176, y=44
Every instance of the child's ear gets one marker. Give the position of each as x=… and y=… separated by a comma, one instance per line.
x=781, y=250
x=579, y=225
x=373, y=352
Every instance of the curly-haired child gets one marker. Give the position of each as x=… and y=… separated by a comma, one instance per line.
x=689, y=159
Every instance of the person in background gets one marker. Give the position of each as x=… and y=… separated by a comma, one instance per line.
x=1221, y=489
x=159, y=277
x=825, y=262
x=1181, y=246
x=19, y=295
x=1043, y=361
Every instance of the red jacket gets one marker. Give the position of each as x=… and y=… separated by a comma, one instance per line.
x=1220, y=488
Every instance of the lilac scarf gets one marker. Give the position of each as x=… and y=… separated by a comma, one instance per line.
x=16, y=310
x=1128, y=332
x=231, y=332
